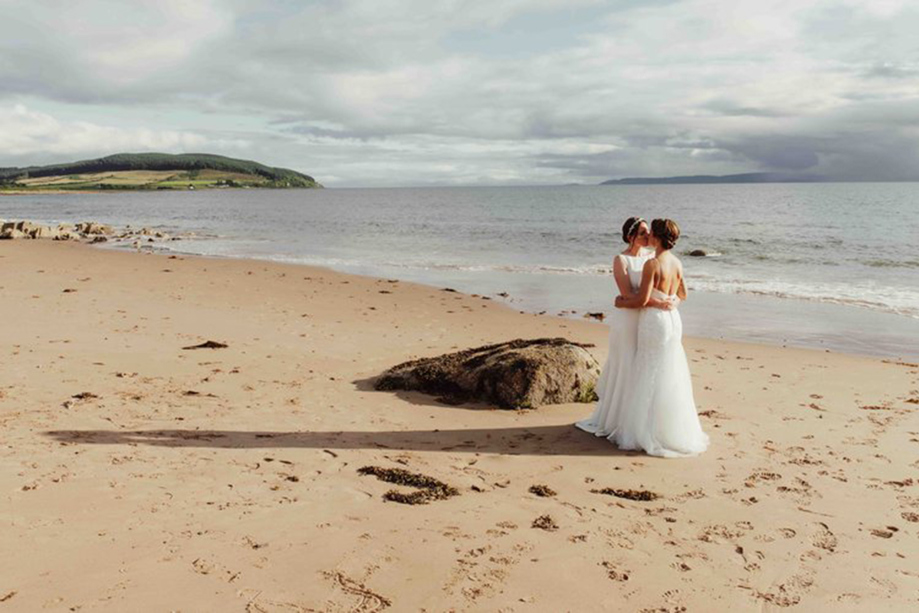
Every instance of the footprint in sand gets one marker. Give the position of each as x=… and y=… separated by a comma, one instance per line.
x=672, y=598
x=615, y=573
x=824, y=539
x=478, y=574
x=802, y=490
x=719, y=533
x=789, y=593
x=367, y=600
x=884, y=533
x=760, y=476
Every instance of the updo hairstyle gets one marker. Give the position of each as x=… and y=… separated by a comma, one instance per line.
x=666, y=231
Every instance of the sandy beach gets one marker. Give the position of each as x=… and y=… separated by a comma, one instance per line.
x=137, y=475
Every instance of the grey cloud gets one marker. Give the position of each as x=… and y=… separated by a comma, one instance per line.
x=732, y=109
x=776, y=152
x=891, y=71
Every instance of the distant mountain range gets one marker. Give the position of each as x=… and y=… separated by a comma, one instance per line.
x=132, y=171
x=749, y=177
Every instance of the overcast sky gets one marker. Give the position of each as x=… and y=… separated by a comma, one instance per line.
x=386, y=92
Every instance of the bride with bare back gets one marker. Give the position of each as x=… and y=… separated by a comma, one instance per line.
x=659, y=413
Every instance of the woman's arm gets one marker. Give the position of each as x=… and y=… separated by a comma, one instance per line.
x=621, y=275
x=681, y=291
x=641, y=299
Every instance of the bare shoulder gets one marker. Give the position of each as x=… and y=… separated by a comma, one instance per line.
x=672, y=260
x=652, y=265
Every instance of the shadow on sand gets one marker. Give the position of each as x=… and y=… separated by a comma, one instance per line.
x=423, y=399
x=560, y=440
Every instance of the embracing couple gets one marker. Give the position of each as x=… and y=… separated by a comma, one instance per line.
x=645, y=390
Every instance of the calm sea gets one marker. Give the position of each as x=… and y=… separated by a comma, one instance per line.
x=832, y=266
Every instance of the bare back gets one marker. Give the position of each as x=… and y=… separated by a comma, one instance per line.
x=669, y=276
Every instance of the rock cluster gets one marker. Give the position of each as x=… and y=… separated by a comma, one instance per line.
x=88, y=231
x=518, y=374
x=62, y=232
x=26, y=229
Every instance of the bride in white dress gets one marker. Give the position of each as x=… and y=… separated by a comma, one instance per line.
x=623, y=331
x=660, y=417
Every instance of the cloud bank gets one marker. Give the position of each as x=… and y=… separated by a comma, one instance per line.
x=500, y=92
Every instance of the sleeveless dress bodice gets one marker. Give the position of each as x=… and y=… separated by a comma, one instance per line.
x=635, y=265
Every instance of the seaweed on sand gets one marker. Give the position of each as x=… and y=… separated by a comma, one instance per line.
x=640, y=495
x=543, y=491
x=545, y=522
x=428, y=488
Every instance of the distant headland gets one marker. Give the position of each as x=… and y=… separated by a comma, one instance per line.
x=750, y=177
x=152, y=171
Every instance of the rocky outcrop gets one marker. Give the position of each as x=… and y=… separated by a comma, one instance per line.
x=88, y=231
x=519, y=374
x=27, y=229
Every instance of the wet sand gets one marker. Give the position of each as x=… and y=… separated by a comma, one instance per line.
x=137, y=475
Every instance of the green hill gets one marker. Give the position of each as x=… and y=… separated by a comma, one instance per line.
x=153, y=171
x=750, y=177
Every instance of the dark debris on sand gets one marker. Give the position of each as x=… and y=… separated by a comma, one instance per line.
x=545, y=522
x=206, y=345
x=543, y=491
x=640, y=495
x=428, y=488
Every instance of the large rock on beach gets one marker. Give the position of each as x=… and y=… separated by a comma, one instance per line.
x=519, y=374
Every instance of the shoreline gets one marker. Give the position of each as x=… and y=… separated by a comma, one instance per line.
x=233, y=473
x=701, y=302
x=569, y=316
x=773, y=339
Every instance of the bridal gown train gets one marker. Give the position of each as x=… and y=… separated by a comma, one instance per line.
x=660, y=413
x=614, y=379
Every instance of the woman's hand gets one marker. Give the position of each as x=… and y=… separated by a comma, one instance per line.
x=664, y=304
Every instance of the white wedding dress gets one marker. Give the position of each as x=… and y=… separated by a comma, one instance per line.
x=659, y=414
x=617, y=372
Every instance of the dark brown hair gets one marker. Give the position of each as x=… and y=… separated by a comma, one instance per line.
x=630, y=228
x=666, y=231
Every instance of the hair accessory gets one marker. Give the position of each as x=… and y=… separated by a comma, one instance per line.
x=638, y=221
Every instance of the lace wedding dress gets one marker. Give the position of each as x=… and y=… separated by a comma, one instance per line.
x=617, y=372
x=659, y=414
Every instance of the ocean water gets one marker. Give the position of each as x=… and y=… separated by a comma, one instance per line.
x=832, y=266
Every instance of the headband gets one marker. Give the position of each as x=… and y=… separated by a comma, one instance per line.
x=638, y=221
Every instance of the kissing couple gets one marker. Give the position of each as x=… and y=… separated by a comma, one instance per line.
x=645, y=391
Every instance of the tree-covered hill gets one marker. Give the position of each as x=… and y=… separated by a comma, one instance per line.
x=154, y=171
